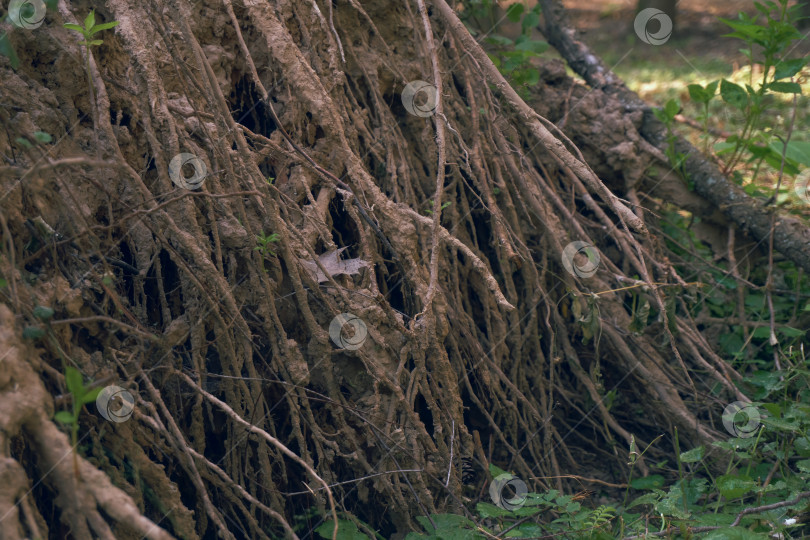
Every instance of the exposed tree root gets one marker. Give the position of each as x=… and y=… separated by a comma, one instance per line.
x=481, y=347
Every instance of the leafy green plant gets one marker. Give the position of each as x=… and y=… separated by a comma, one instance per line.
x=87, y=31
x=704, y=95
x=38, y=137
x=445, y=204
x=511, y=57
x=264, y=243
x=81, y=395
x=768, y=36
x=90, y=28
x=667, y=115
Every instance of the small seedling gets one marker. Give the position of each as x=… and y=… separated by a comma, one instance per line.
x=38, y=137
x=444, y=205
x=88, y=31
x=264, y=241
x=90, y=28
x=81, y=396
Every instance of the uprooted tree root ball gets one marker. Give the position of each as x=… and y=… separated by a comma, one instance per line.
x=357, y=307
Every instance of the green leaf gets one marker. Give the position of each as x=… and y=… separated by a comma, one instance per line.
x=761, y=332
x=788, y=68
x=697, y=93
x=73, y=380
x=91, y=395
x=514, y=12
x=798, y=151
x=500, y=40
x=640, y=317
x=90, y=20
x=93, y=42
x=532, y=77
x=43, y=137
x=104, y=26
x=23, y=142
x=733, y=94
x=734, y=533
x=7, y=50
x=487, y=510
x=347, y=530
x=802, y=446
x=43, y=313
x=647, y=498
x=672, y=108
x=785, y=87
x=791, y=332
x=450, y=526
x=530, y=20
x=692, y=456
x=732, y=486
x=530, y=45
x=780, y=424
x=75, y=27
x=65, y=417
x=653, y=481
x=33, y=332
x=672, y=505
